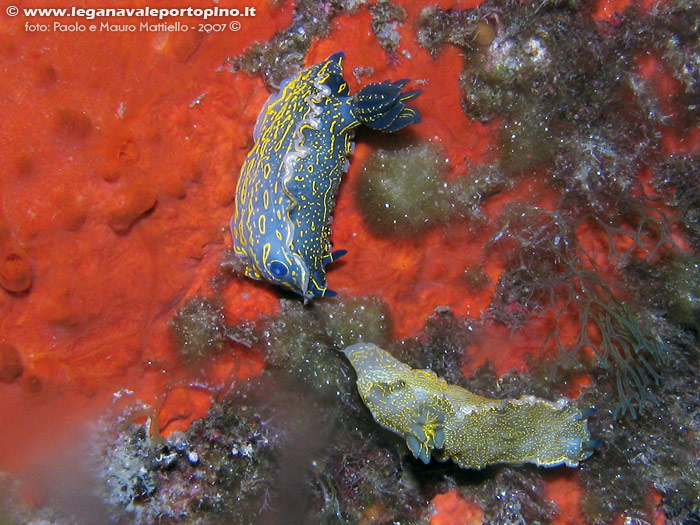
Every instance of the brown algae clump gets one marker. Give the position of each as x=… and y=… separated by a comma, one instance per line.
x=199, y=328
x=402, y=190
x=220, y=471
x=302, y=340
x=386, y=18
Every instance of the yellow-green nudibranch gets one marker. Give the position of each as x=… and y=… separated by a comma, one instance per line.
x=449, y=422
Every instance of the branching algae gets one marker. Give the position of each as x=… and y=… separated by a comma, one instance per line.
x=474, y=431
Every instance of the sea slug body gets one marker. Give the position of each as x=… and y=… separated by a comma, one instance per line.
x=288, y=182
x=449, y=422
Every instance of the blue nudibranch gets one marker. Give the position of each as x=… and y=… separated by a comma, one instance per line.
x=288, y=182
x=449, y=422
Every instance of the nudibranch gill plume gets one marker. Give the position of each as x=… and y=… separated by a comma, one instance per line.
x=449, y=422
x=288, y=182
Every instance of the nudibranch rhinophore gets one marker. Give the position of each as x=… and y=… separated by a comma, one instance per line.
x=450, y=422
x=288, y=182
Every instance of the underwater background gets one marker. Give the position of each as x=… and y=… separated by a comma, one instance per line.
x=537, y=234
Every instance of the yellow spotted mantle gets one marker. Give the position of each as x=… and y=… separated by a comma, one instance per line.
x=449, y=422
